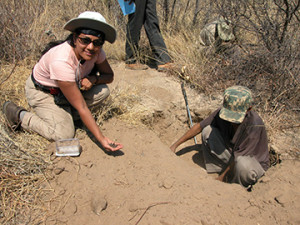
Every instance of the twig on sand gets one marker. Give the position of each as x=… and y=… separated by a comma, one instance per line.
x=78, y=164
x=150, y=206
x=13, y=69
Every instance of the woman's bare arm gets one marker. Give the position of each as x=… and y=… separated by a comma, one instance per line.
x=74, y=96
x=106, y=76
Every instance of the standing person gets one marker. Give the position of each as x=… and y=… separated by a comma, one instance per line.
x=234, y=139
x=63, y=82
x=145, y=14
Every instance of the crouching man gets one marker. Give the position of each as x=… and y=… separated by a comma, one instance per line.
x=234, y=139
x=218, y=33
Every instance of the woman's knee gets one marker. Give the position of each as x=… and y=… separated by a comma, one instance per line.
x=96, y=95
x=62, y=133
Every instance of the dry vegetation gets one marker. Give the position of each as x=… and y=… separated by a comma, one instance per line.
x=264, y=57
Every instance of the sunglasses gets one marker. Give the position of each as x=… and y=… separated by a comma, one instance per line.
x=87, y=41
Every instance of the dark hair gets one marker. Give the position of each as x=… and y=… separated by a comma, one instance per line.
x=58, y=42
x=93, y=32
x=70, y=38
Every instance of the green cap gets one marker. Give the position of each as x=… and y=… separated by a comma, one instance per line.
x=225, y=30
x=237, y=100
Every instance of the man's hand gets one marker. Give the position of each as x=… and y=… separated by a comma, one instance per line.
x=173, y=148
x=221, y=177
x=224, y=176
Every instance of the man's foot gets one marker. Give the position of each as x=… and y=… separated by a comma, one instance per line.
x=12, y=112
x=165, y=67
x=136, y=66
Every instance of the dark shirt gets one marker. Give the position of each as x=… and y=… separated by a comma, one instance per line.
x=250, y=138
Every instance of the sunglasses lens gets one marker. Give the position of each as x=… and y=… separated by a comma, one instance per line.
x=98, y=42
x=87, y=41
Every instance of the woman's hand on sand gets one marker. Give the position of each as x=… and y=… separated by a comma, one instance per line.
x=111, y=146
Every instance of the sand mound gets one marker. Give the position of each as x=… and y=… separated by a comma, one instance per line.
x=146, y=183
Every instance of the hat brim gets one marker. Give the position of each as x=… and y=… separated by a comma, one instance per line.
x=108, y=30
x=231, y=116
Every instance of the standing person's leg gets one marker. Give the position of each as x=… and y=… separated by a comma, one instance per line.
x=154, y=35
x=133, y=29
x=49, y=120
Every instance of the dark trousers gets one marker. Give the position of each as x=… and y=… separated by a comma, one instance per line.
x=145, y=14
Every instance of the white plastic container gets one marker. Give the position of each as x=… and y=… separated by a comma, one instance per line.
x=67, y=147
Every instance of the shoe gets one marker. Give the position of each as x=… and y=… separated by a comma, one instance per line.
x=12, y=112
x=136, y=66
x=165, y=67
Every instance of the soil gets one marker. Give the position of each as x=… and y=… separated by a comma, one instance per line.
x=146, y=183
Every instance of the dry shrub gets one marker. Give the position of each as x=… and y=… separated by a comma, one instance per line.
x=268, y=35
x=27, y=26
x=265, y=56
x=270, y=68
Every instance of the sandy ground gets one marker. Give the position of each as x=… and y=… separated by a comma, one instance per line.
x=145, y=183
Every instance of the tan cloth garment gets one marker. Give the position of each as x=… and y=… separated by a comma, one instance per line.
x=247, y=170
x=50, y=120
x=215, y=154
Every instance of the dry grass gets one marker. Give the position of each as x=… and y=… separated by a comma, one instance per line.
x=124, y=103
x=22, y=155
x=21, y=175
x=23, y=161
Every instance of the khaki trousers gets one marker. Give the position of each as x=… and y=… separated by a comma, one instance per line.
x=247, y=170
x=50, y=120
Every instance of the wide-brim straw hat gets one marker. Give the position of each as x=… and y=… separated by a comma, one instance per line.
x=95, y=21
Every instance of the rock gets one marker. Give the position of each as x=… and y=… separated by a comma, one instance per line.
x=285, y=198
x=59, y=170
x=98, y=204
x=164, y=222
x=89, y=164
x=60, y=191
x=73, y=208
x=167, y=183
x=133, y=207
x=53, y=157
x=265, y=179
